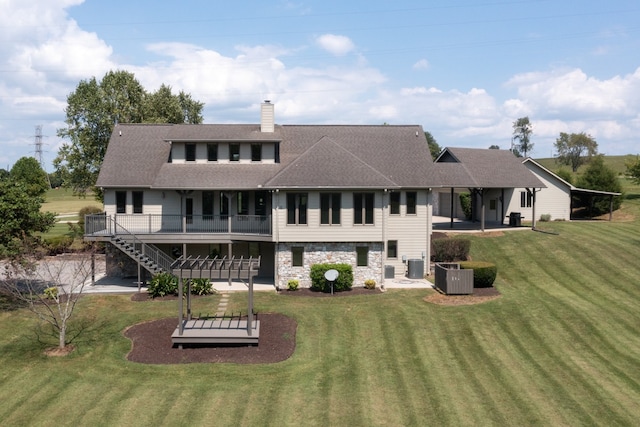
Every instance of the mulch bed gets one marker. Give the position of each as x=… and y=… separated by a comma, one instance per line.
x=479, y=296
x=151, y=343
x=307, y=292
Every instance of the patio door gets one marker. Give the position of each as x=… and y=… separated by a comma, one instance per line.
x=189, y=210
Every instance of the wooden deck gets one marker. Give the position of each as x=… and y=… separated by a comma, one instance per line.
x=217, y=331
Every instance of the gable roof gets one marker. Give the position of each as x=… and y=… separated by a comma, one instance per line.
x=326, y=164
x=483, y=168
x=320, y=156
x=571, y=187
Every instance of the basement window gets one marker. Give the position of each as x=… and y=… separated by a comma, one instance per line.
x=297, y=256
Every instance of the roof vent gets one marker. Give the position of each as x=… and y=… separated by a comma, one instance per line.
x=267, y=117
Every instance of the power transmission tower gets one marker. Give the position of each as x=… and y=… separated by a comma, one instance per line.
x=38, y=151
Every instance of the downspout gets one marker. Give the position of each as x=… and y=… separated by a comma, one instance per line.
x=276, y=232
x=384, y=235
x=429, y=230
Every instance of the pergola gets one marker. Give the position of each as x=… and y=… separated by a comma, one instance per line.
x=217, y=329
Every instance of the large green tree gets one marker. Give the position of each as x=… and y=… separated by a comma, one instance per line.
x=21, y=217
x=434, y=148
x=522, y=130
x=575, y=149
x=93, y=109
x=28, y=171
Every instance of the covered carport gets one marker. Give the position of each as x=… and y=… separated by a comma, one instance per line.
x=482, y=172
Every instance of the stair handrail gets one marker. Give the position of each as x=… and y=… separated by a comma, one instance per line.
x=161, y=259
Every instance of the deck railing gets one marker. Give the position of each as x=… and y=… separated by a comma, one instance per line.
x=102, y=224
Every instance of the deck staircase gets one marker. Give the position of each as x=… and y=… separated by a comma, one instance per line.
x=146, y=255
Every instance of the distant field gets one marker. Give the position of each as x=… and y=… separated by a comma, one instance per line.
x=62, y=201
x=617, y=163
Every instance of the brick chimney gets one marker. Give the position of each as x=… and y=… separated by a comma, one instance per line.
x=267, y=117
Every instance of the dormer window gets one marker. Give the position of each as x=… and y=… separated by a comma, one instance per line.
x=256, y=152
x=212, y=152
x=234, y=152
x=190, y=152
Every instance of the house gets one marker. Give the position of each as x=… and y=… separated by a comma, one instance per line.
x=555, y=199
x=495, y=179
x=292, y=195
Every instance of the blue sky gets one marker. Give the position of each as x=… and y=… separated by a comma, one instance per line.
x=464, y=70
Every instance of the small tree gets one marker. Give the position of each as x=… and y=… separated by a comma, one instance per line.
x=28, y=171
x=602, y=178
x=49, y=289
x=633, y=168
x=522, y=131
x=575, y=149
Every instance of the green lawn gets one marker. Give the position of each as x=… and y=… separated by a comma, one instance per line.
x=560, y=347
x=62, y=201
x=616, y=163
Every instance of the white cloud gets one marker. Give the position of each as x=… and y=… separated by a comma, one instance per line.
x=335, y=44
x=573, y=93
x=422, y=64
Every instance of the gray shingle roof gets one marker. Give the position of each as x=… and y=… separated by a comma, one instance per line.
x=483, y=168
x=320, y=156
x=310, y=156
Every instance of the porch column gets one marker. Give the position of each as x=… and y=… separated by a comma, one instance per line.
x=451, y=212
x=533, y=209
x=482, y=207
x=610, y=207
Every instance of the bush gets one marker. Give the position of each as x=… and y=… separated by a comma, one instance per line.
x=465, y=203
x=162, y=284
x=370, y=284
x=344, y=281
x=201, y=287
x=293, y=285
x=449, y=250
x=51, y=292
x=87, y=210
x=484, y=273
x=57, y=245
x=545, y=217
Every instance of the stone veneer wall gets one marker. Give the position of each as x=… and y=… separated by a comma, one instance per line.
x=333, y=253
x=119, y=264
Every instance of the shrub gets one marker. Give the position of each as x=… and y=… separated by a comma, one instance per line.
x=344, y=281
x=449, y=250
x=162, y=284
x=87, y=210
x=465, y=203
x=57, y=245
x=293, y=284
x=51, y=292
x=201, y=287
x=484, y=273
x=370, y=284
x=545, y=217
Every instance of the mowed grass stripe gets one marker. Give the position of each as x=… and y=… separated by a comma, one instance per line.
x=404, y=365
x=593, y=347
x=559, y=347
x=558, y=377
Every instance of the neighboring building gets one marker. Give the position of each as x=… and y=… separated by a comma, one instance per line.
x=555, y=199
x=293, y=195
